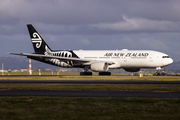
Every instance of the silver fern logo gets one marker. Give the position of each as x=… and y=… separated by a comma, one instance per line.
x=36, y=39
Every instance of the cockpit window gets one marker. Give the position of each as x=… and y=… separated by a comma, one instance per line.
x=165, y=56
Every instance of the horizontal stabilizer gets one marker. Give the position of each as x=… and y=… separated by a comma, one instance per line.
x=56, y=57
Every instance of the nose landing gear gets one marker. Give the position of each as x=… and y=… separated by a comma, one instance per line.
x=158, y=71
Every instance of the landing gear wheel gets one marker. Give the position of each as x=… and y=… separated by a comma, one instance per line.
x=81, y=73
x=158, y=71
x=105, y=73
x=86, y=73
x=157, y=74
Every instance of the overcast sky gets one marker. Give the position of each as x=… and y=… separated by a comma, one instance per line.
x=92, y=24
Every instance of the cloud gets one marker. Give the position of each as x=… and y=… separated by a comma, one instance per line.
x=91, y=17
x=84, y=41
x=154, y=44
x=64, y=12
x=92, y=24
x=139, y=24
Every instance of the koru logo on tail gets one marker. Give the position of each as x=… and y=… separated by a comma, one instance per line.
x=36, y=39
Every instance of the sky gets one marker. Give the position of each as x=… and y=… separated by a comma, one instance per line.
x=92, y=25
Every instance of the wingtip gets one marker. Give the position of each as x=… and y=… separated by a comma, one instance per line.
x=9, y=53
x=16, y=53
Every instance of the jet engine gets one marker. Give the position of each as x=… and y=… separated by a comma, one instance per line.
x=99, y=66
x=132, y=69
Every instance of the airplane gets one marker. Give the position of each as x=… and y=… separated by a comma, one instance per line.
x=95, y=60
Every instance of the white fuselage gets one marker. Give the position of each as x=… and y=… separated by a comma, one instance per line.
x=96, y=60
x=127, y=58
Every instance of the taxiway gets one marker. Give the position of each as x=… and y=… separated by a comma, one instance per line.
x=70, y=93
x=84, y=82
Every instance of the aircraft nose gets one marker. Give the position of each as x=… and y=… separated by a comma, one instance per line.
x=169, y=61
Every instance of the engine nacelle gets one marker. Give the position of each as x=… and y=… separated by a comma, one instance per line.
x=132, y=69
x=99, y=66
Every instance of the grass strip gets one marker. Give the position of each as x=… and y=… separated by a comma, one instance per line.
x=93, y=87
x=122, y=78
x=47, y=108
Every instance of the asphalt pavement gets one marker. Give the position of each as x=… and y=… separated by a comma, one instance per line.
x=74, y=93
x=70, y=93
x=84, y=82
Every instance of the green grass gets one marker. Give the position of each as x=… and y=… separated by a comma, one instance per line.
x=62, y=108
x=76, y=76
x=64, y=77
x=93, y=87
x=47, y=108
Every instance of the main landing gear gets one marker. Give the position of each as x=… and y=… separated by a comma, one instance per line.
x=100, y=73
x=105, y=73
x=86, y=73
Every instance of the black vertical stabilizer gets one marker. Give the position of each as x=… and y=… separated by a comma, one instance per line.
x=38, y=43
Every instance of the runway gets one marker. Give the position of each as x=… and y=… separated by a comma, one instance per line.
x=84, y=82
x=60, y=93
x=72, y=93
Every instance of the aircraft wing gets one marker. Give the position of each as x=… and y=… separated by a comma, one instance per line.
x=60, y=58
